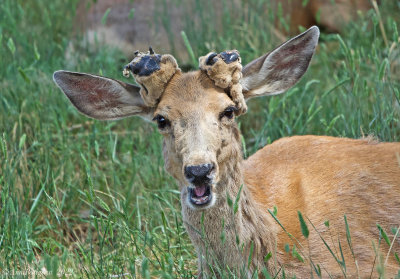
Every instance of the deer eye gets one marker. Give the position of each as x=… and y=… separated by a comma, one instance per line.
x=228, y=112
x=162, y=122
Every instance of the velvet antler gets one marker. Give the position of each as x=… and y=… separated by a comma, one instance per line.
x=225, y=69
x=152, y=72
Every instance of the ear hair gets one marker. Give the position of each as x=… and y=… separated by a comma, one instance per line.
x=100, y=97
x=277, y=71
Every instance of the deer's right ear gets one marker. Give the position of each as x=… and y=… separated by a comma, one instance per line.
x=100, y=97
x=277, y=71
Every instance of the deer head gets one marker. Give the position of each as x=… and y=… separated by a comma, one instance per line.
x=195, y=111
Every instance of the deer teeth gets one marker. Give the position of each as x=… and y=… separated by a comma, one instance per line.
x=199, y=200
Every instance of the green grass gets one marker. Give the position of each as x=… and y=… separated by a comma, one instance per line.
x=92, y=198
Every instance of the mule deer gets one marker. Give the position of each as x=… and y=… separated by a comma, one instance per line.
x=224, y=199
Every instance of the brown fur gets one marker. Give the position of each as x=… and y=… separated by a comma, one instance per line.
x=196, y=117
x=324, y=178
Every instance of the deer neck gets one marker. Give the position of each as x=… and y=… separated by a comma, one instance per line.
x=216, y=231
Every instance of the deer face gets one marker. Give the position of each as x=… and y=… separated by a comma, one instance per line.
x=194, y=111
x=196, y=119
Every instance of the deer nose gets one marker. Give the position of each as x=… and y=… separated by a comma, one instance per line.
x=199, y=174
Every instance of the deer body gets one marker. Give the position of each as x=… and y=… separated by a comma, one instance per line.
x=326, y=178
x=306, y=174
x=225, y=200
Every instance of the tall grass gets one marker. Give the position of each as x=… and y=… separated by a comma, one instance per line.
x=91, y=199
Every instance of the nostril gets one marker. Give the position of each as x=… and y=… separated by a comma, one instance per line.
x=188, y=174
x=198, y=172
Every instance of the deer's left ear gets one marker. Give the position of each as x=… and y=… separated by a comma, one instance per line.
x=277, y=71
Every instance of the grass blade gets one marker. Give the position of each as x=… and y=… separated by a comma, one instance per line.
x=189, y=48
x=303, y=225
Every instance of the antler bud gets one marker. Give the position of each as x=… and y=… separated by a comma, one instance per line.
x=225, y=69
x=152, y=72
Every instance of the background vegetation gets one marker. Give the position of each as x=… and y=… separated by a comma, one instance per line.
x=91, y=199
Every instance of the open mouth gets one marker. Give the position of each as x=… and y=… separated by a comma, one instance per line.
x=200, y=195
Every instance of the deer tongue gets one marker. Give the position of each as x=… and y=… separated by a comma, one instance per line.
x=200, y=190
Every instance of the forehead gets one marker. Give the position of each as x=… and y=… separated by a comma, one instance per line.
x=191, y=92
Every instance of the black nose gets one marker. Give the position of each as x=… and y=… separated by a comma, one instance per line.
x=198, y=174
